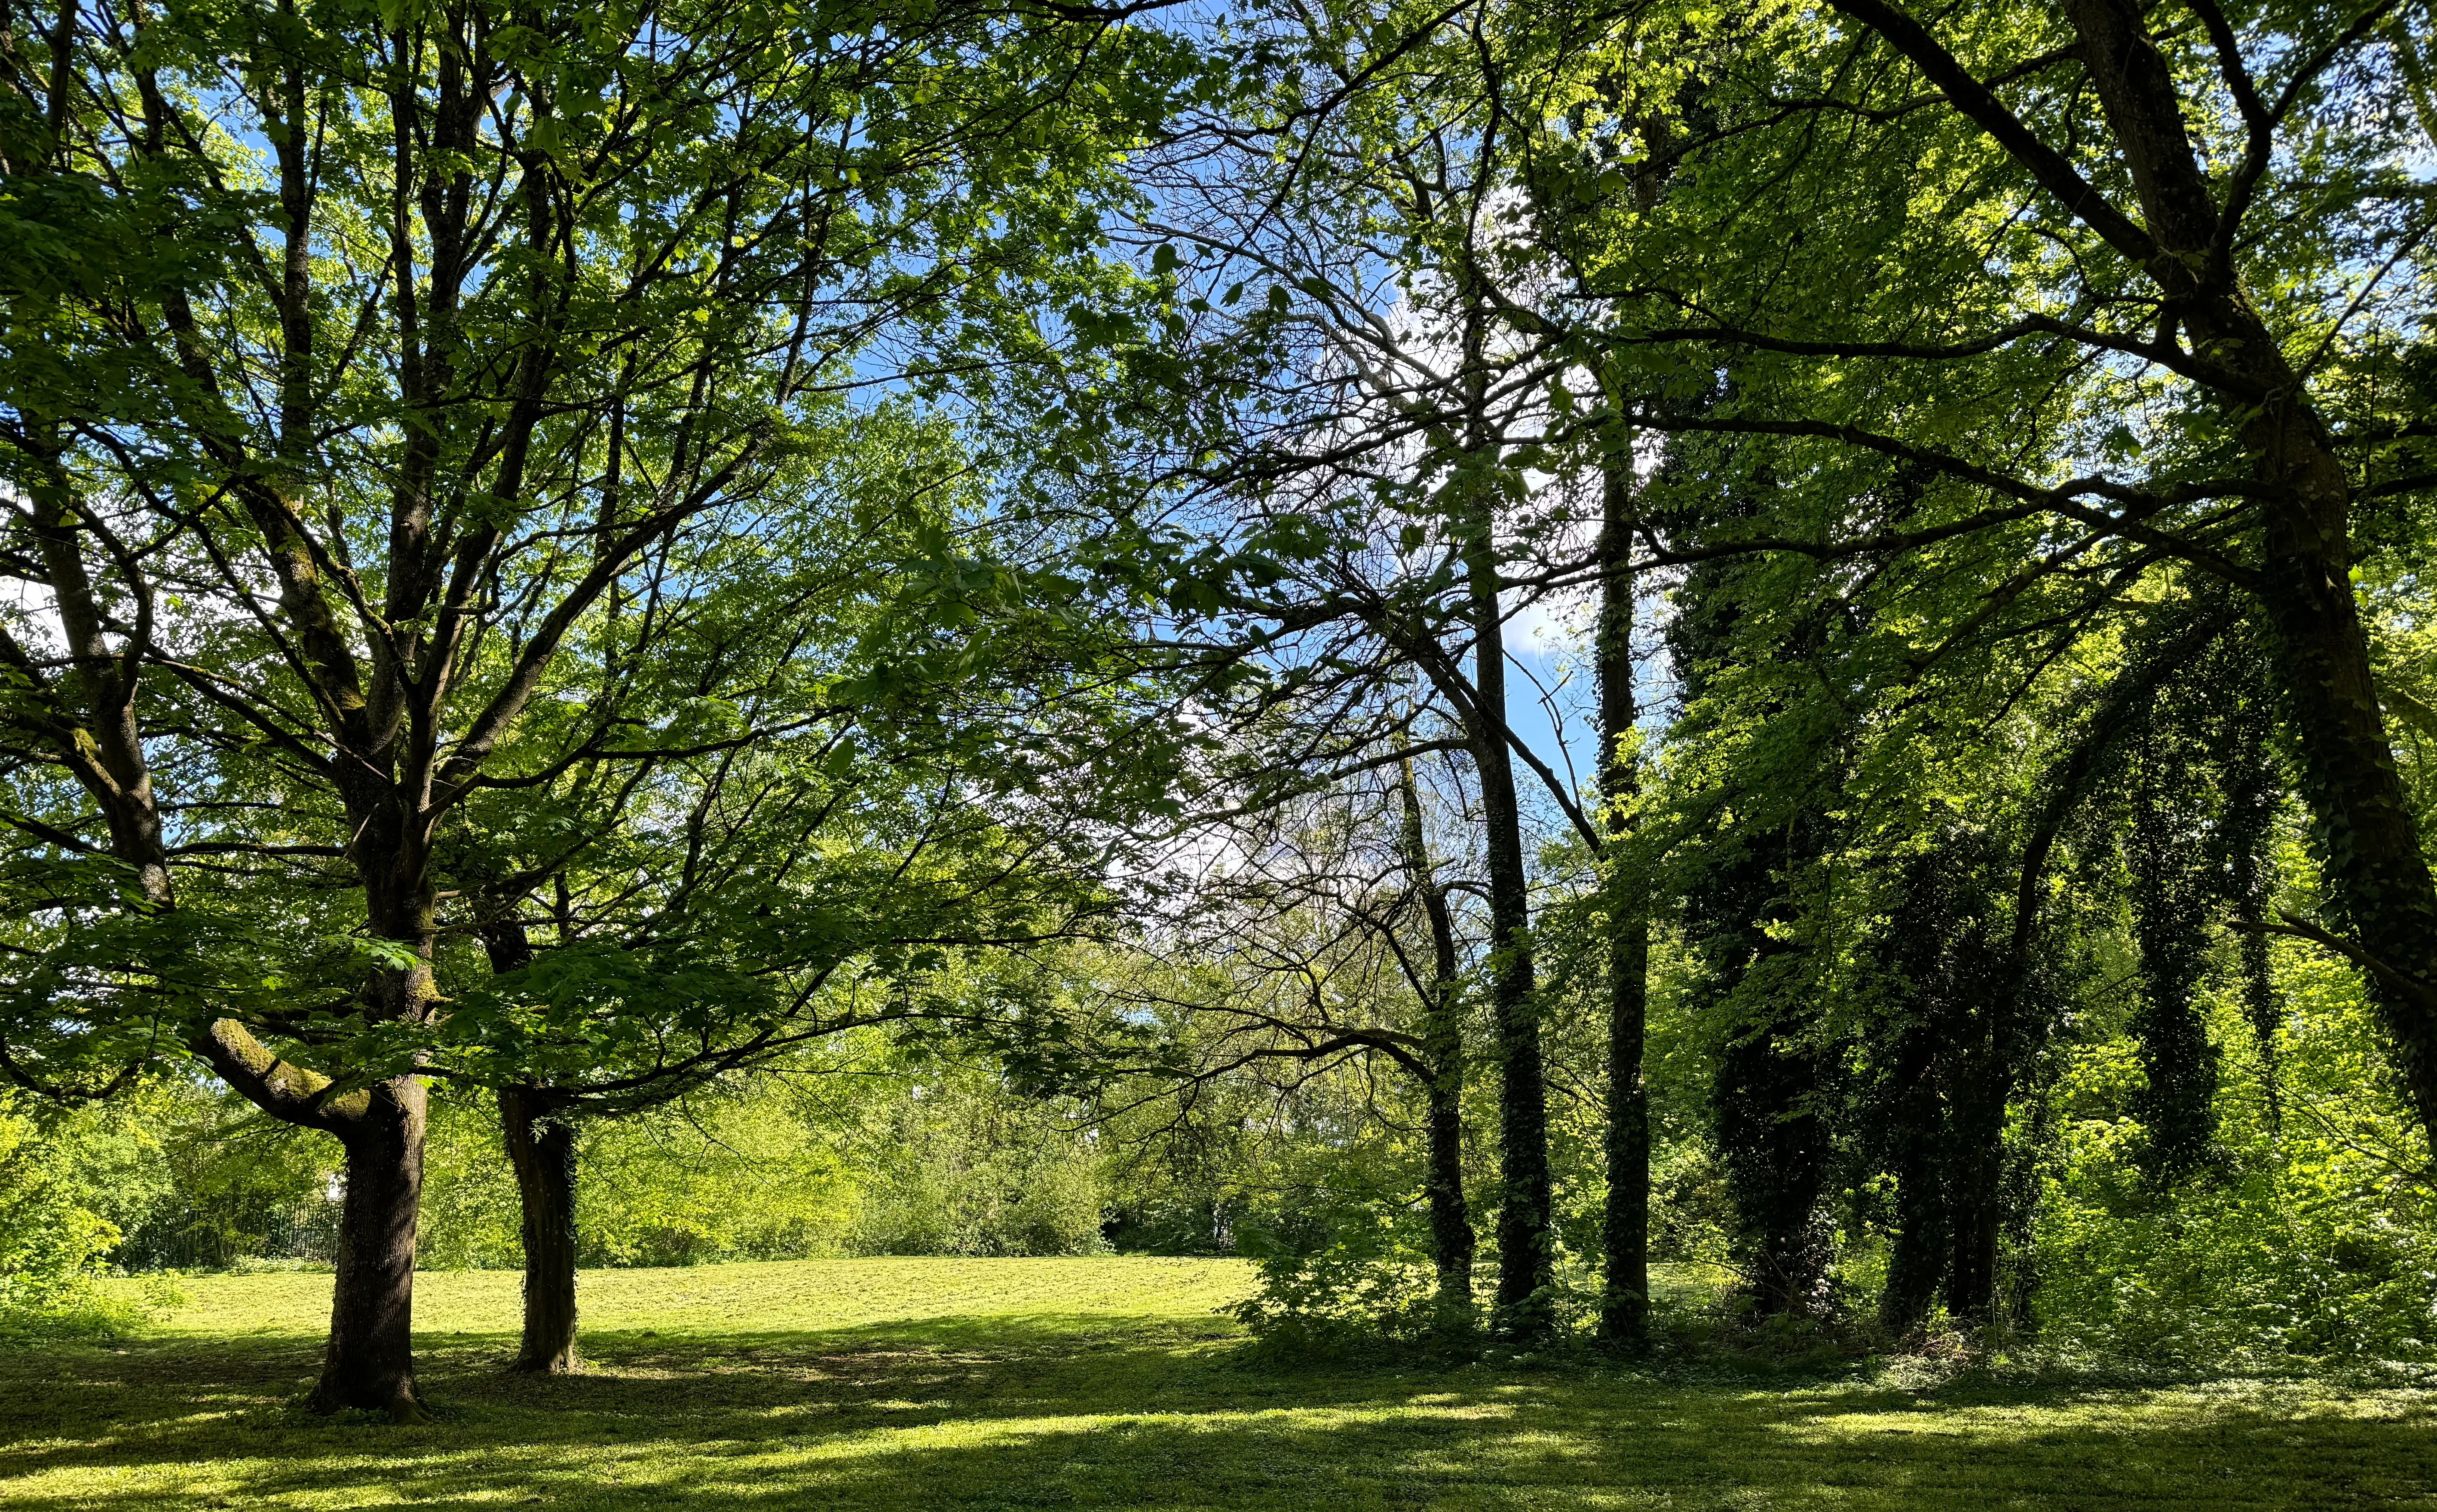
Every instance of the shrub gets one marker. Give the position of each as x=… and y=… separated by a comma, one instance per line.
x=52, y=1246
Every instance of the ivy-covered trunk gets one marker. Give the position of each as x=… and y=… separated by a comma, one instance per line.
x=2378, y=882
x=1915, y=1142
x=1452, y=1240
x=1624, y=1222
x=1981, y=1083
x=541, y=1151
x=2175, y=892
x=1775, y=1148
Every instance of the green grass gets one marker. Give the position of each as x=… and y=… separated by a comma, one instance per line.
x=958, y=1384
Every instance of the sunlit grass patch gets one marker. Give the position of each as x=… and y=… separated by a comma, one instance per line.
x=860, y=1385
x=808, y=1296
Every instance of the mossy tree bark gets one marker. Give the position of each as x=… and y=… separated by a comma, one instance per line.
x=541, y=1150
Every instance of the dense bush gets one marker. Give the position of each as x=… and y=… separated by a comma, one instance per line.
x=57, y=1201
x=2308, y=1236
x=941, y=1160
x=1341, y=1243
x=734, y=1174
x=961, y=1166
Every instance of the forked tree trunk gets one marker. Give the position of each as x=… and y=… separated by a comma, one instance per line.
x=541, y=1150
x=370, y=1364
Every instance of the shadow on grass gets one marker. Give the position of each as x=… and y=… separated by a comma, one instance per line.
x=1153, y=1412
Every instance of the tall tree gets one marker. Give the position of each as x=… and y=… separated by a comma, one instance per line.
x=442, y=333
x=1625, y=1227
x=2153, y=243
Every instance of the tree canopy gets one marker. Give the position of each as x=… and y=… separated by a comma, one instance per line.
x=1578, y=601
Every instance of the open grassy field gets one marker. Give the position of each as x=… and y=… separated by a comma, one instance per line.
x=966, y=1384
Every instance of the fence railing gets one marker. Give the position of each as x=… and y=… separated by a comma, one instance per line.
x=185, y=1239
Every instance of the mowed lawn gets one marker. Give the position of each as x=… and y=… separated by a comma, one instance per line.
x=1111, y=1383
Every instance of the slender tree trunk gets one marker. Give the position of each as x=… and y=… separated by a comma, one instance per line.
x=370, y=1364
x=1624, y=1225
x=541, y=1150
x=1526, y=1268
x=1452, y=1240
x=1624, y=1222
x=1525, y=1306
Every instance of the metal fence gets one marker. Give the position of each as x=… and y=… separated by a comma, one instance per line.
x=184, y=1238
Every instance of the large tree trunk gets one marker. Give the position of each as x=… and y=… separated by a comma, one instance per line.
x=1452, y=1240
x=1918, y=1259
x=2378, y=879
x=2369, y=846
x=541, y=1150
x=1776, y=1151
x=1976, y=1180
x=1624, y=1224
x=370, y=1364
x=371, y=1359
